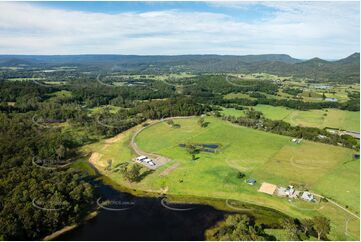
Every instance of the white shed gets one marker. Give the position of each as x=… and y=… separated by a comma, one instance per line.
x=307, y=196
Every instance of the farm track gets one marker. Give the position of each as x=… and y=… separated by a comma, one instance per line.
x=161, y=160
x=337, y=205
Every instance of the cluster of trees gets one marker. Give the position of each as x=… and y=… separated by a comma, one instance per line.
x=292, y=91
x=132, y=172
x=158, y=109
x=36, y=201
x=239, y=228
x=255, y=119
x=318, y=226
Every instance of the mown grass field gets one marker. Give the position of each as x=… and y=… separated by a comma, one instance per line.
x=264, y=156
x=333, y=118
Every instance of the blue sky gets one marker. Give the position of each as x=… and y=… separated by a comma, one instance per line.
x=302, y=29
x=254, y=13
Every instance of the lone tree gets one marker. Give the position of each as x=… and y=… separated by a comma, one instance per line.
x=192, y=150
x=241, y=174
x=201, y=122
x=132, y=173
x=170, y=122
x=322, y=226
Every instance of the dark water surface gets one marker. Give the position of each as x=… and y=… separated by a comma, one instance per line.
x=127, y=217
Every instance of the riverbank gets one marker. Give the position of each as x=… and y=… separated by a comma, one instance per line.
x=226, y=186
x=68, y=228
x=263, y=215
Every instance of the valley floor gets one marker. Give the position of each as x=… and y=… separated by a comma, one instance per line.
x=324, y=169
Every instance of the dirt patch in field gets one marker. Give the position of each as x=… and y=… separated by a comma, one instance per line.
x=105, y=147
x=169, y=169
x=115, y=138
x=95, y=160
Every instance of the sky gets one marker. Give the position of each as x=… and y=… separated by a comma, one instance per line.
x=329, y=30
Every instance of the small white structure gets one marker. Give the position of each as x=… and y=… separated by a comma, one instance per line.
x=320, y=136
x=141, y=158
x=307, y=197
x=296, y=141
x=251, y=181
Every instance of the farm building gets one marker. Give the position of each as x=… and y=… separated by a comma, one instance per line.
x=282, y=192
x=287, y=192
x=267, y=188
x=251, y=181
x=307, y=197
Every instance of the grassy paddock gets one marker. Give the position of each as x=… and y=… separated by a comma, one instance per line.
x=333, y=118
x=215, y=176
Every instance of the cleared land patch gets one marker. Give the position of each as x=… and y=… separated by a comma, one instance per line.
x=255, y=153
x=333, y=118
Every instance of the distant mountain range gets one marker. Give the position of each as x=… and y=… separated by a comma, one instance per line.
x=343, y=70
x=61, y=59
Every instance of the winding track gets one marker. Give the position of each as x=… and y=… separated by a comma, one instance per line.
x=337, y=205
x=160, y=160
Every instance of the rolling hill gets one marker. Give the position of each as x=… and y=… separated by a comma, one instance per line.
x=346, y=70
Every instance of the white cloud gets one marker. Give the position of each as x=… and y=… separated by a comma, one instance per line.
x=303, y=30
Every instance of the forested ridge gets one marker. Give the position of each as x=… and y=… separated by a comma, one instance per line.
x=344, y=70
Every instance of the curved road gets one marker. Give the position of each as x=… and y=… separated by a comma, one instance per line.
x=159, y=160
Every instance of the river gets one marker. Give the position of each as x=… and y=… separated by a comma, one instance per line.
x=127, y=217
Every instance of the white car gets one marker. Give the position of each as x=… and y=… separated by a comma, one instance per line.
x=147, y=160
x=141, y=158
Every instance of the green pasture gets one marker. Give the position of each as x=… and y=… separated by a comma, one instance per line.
x=264, y=156
x=319, y=118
